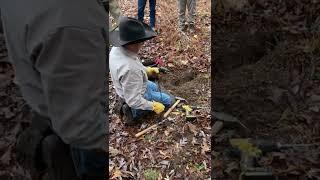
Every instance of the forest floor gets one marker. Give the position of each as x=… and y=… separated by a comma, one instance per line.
x=179, y=149
x=14, y=114
x=267, y=67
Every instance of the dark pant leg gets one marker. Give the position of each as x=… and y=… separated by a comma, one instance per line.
x=141, y=6
x=57, y=156
x=138, y=113
x=90, y=164
x=152, y=6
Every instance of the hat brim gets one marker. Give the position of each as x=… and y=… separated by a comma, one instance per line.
x=114, y=36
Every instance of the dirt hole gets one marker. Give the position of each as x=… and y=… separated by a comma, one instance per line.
x=241, y=47
x=189, y=84
x=185, y=77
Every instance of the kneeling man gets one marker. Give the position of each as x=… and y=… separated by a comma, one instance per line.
x=130, y=76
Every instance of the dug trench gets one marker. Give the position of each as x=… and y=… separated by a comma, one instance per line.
x=268, y=85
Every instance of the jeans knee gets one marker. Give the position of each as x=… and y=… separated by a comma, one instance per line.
x=152, y=86
x=167, y=100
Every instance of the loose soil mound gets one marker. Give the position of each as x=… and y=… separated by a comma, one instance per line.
x=266, y=75
x=259, y=93
x=188, y=84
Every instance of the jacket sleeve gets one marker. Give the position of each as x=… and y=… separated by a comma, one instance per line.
x=132, y=83
x=71, y=63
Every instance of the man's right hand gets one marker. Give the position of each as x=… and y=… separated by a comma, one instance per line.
x=158, y=107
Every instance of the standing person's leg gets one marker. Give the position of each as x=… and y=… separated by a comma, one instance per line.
x=152, y=7
x=57, y=156
x=191, y=5
x=141, y=6
x=182, y=14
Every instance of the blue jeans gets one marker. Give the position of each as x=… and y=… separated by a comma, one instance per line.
x=153, y=94
x=152, y=7
x=89, y=163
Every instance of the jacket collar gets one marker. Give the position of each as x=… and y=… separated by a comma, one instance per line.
x=129, y=53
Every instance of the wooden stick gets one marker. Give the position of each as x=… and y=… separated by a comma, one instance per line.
x=171, y=108
x=155, y=125
x=145, y=130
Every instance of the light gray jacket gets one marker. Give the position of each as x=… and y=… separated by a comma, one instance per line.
x=129, y=78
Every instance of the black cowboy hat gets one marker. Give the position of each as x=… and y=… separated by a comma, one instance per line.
x=130, y=30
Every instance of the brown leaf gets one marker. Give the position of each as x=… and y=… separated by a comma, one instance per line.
x=165, y=154
x=113, y=151
x=205, y=147
x=164, y=162
x=313, y=173
x=162, y=153
x=183, y=141
x=6, y=157
x=192, y=128
x=127, y=173
x=170, y=65
x=194, y=141
x=184, y=62
x=110, y=168
x=232, y=166
x=117, y=174
x=166, y=133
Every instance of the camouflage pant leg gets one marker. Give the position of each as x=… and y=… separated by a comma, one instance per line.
x=182, y=12
x=191, y=5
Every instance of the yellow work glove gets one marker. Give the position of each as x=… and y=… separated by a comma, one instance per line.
x=157, y=107
x=187, y=108
x=152, y=70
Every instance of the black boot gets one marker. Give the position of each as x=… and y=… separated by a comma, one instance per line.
x=28, y=146
x=127, y=115
x=56, y=155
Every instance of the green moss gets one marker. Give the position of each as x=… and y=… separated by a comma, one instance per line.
x=151, y=174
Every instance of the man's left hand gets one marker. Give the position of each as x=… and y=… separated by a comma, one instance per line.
x=152, y=70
